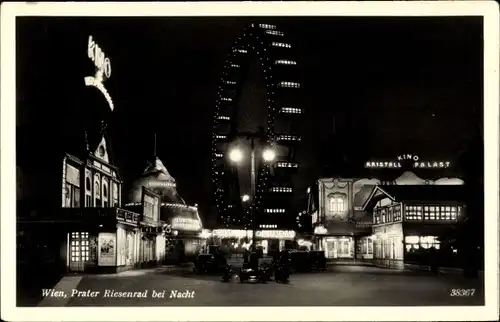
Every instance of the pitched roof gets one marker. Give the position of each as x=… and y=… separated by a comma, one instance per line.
x=362, y=195
x=417, y=193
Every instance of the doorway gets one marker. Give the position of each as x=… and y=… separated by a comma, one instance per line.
x=78, y=251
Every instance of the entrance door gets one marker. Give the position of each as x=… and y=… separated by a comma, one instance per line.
x=79, y=251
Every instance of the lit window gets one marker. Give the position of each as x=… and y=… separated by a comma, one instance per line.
x=275, y=211
x=280, y=44
x=281, y=189
x=413, y=212
x=284, y=62
x=266, y=26
x=288, y=137
x=441, y=212
x=274, y=33
x=426, y=242
x=289, y=84
x=291, y=110
x=337, y=204
x=282, y=164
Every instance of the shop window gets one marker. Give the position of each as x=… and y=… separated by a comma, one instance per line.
x=417, y=242
x=413, y=212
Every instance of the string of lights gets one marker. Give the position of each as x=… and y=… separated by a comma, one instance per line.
x=279, y=71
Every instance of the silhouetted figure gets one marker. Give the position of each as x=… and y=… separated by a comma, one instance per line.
x=246, y=253
x=434, y=257
x=254, y=261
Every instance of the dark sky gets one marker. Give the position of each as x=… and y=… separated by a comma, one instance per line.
x=394, y=85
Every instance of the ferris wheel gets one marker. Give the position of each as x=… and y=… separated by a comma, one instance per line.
x=274, y=181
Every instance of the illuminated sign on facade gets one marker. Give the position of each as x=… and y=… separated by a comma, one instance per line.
x=103, y=70
x=240, y=233
x=160, y=184
x=186, y=224
x=101, y=62
x=413, y=158
x=280, y=234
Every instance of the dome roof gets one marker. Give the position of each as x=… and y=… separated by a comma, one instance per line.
x=156, y=178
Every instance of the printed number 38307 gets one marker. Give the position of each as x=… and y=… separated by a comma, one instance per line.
x=463, y=292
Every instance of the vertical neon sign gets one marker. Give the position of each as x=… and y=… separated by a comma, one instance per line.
x=103, y=70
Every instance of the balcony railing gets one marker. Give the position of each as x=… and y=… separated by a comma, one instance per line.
x=79, y=214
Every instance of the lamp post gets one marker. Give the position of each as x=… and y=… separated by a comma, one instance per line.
x=236, y=156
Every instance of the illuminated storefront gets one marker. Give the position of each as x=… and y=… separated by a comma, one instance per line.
x=183, y=238
x=341, y=227
x=90, y=231
x=269, y=240
x=409, y=220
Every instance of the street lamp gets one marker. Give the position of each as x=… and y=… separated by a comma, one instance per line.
x=236, y=156
x=268, y=155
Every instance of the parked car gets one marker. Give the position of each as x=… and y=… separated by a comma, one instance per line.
x=209, y=264
x=261, y=274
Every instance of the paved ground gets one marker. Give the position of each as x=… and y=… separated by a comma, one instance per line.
x=341, y=285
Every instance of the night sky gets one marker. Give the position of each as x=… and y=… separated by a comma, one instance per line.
x=392, y=85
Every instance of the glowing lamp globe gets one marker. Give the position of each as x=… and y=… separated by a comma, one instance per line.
x=245, y=198
x=268, y=155
x=236, y=155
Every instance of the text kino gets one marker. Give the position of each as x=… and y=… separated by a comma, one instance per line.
x=100, y=60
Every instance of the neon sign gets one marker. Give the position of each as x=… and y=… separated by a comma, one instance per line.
x=186, y=224
x=413, y=158
x=281, y=234
x=103, y=70
x=101, y=62
x=241, y=233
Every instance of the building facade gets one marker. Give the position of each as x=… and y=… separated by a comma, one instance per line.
x=183, y=225
x=91, y=232
x=345, y=227
x=411, y=221
x=341, y=227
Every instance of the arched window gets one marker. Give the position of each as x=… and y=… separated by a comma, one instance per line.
x=337, y=204
x=104, y=191
x=97, y=190
x=87, y=184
